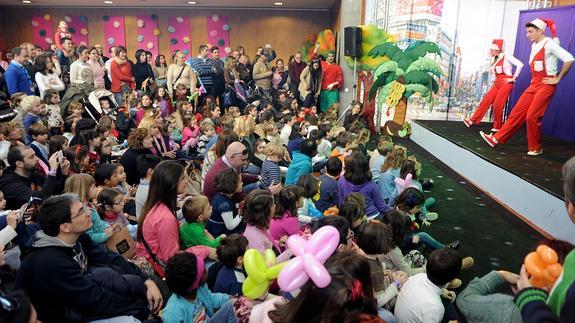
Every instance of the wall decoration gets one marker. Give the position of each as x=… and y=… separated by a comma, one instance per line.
x=147, y=33
x=179, y=31
x=218, y=30
x=78, y=27
x=114, y=32
x=42, y=30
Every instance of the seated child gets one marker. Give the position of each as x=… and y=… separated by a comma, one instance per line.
x=354, y=213
x=225, y=218
x=420, y=297
x=328, y=187
x=196, y=211
x=398, y=224
x=231, y=254
x=284, y=222
x=344, y=142
x=191, y=300
x=110, y=209
x=384, y=146
x=389, y=171
x=270, y=173
x=308, y=212
x=39, y=134
x=411, y=166
x=208, y=131
x=301, y=162
x=362, y=139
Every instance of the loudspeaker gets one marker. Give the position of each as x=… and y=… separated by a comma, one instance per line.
x=352, y=41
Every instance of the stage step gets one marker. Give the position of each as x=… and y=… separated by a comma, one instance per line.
x=541, y=209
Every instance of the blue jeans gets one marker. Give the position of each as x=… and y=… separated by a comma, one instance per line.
x=251, y=186
x=226, y=314
x=427, y=239
x=386, y=315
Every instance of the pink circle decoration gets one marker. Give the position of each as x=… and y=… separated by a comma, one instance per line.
x=47, y=17
x=180, y=20
x=186, y=40
x=150, y=45
x=35, y=23
x=48, y=40
x=83, y=43
x=213, y=33
x=116, y=24
x=215, y=18
x=228, y=50
x=67, y=18
x=84, y=31
x=140, y=23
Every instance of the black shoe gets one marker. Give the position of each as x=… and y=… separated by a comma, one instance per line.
x=454, y=245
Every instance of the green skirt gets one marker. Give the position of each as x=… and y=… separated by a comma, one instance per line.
x=327, y=98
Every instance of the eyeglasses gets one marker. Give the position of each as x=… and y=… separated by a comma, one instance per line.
x=119, y=203
x=9, y=303
x=244, y=152
x=351, y=236
x=82, y=210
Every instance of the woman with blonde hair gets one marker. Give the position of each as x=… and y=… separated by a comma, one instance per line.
x=180, y=73
x=390, y=170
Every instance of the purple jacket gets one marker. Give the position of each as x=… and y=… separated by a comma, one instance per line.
x=374, y=203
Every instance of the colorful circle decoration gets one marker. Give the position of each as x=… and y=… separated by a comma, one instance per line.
x=48, y=40
x=83, y=43
x=180, y=20
x=35, y=23
x=157, y=32
x=67, y=18
x=116, y=24
x=42, y=33
x=171, y=29
x=215, y=18
x=221, y=42
x=186, y=40
x=228, y=50
x=47, y=17
x=154, y=16
x=140, y=23
x=83, y=19
x=106, y=18
x=83, y=31
x=111, y=41
x=186, y=51
x=173, y=41
x=140, y=38
x=150, y=45
x=226, y=27
x=213, y=33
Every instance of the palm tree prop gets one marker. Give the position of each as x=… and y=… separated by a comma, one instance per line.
x=405, y=73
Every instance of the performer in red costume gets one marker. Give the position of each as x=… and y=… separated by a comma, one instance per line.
x=532, y=104
x=497, y=96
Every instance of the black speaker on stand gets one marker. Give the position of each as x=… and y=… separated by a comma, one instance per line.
x=352, y=48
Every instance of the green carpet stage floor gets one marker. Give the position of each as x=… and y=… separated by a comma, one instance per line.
x=543, y=171
x=495, y=237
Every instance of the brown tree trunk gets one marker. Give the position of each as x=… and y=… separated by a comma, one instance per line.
x=366, y=77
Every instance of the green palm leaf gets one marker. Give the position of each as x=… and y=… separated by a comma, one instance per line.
x=392, y=52
x=422, y=78
x=421, y=48
x=389, y=66
x=417, y=88
x=383, y=80
x=425, y=64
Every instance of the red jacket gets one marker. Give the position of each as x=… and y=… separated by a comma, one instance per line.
x=331, y=73
x=121, y=73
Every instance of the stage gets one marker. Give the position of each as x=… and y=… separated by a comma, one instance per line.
x=530, y=187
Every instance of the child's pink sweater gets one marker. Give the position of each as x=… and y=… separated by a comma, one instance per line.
x=285, y=226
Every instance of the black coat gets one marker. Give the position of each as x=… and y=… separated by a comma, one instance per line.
x=130, y=162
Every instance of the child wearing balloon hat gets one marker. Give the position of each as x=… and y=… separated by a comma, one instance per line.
x=497, y=96
x=191, y=300
x=531, y=106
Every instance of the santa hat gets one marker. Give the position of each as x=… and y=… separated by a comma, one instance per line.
x=543, y=23
x=497, y=44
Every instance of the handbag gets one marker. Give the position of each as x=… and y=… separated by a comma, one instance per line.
x=229, y=97
x=158, y=265
x=193, y=177
x=122, y=243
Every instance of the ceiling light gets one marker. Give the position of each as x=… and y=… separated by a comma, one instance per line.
x=108, y=2
x=26, y=1
x=278, y=3
x=192, y=2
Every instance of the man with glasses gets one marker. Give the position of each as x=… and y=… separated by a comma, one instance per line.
x=68, y=278
x=236, y=157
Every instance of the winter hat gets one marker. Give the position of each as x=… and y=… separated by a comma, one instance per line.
x=543, y=23
x=497, y=44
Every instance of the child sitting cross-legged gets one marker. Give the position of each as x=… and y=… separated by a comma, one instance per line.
x=308, y=212
x=284, y=222
x=270, y=173
x=111, y=209
x=225, y=218
x=231, y=254
x=328, y=187
x=197, y=210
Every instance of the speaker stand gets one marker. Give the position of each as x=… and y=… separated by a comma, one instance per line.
x=353, y=91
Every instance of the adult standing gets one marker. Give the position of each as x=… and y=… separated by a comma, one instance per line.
x=45, y=76
x=280, y=77
x=218, y=77
x=65, y=58
x=310, y=83
x=180, y=73
x=121, y=72
x=142, y=71
x=160, y=69
x=262, y=75
x=532, y=104
x=203, y=67
x=331, y=83
x=17, y=77
x=78, y=68
x=497, y=96
x=140, y=143
x=108, y=63
x=29, y=63
x=100, y=50
x=295, y=69
x=98, y=68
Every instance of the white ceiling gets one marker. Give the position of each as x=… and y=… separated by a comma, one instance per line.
x=287, y=4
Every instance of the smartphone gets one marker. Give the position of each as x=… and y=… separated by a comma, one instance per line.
x=60, y=156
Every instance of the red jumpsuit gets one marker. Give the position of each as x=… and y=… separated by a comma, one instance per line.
x=531, y=106
x=496, y=96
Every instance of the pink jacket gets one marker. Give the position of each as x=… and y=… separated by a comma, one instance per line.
x=192, y=135
x=258, y=240
x=161, y=231
x=286, y=226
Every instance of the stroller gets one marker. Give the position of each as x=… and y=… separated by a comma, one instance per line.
x=95, y=110
x=75, y=92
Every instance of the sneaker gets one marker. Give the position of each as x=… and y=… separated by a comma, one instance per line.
x=467, y=263
x=454, y=245
x=491, y=141
x=431, y=216
x=494, y=129
x=534, y=152
x=454, y=284
x=467, y=122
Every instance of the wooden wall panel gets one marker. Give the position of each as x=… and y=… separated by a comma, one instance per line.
x=285, y=30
